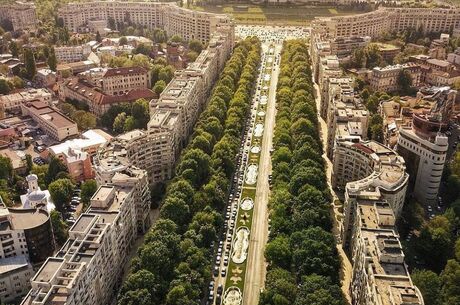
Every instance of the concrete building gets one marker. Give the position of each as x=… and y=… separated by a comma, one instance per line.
x=367, y=168
x=80, y=89
x=380, y=275
x=188, y=24
x=67, y=54
x=424, y=147
x=347, y=117
x=25, y=231
x=120, y=81
x=173, y=115
x=388, y=19
x=35, y=197
x=328, y=67
x=22, y=15
x=12, y=102
x=15, y=275
x=52, y=122
x=77, y=154
x=385, y=79
x=87, y=268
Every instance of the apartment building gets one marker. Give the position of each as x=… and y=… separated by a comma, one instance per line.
x=67, y=54
x=424, y=146
x=88, y=266
x=328, y=67
x=76, y=154
x=12, y=102
x=172, y=116
x=371, y=169
x=15, y=275
x=388, y=19
x=380, y=275
x=347, y=117
x=119, y=81
x=188, y=24
x=79, y=88
x=22, y=15
x=52, y=122
x=386, y=79
x=25, y=231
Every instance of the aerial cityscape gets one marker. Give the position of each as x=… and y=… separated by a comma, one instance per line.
x=245, y=152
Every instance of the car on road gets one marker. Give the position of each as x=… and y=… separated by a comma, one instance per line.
x=216, y=271
x=223, y=273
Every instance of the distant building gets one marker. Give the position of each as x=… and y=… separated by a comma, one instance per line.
x=386, y=79
x=13, y=102
x=52, y=122
x=76, y=154
x=88, y=267
x=45, y=78
x=22, y=15
x=120, y=81
x=388, y=19
x=66, y=54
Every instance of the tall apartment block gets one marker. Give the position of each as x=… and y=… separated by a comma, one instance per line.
x=174, y=114
x=370, y=169
x=26, y=239
x=380, y=275
x=175, y=20
x=387, y=19
x=22, y=15
x=346, y=117
x=86, y=270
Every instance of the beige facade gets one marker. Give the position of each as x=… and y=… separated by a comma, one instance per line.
x=386, y=79
x=88, y=267
x=188, y=24
x=173, y=115
x=387, y=19
x=72, y=53
x=347, y=117
x=368, y=168
x=119, y=81
x=380, y=275
x=15, y=275
x=22, y=15
x=52, y=122
x=13, y=102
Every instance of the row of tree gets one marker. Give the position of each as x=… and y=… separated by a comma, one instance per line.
x=303, y=260
x=174, y=264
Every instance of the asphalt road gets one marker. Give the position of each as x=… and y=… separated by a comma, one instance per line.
x=256, y=265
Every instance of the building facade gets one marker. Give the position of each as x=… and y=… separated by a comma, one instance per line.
x=66, y=54
x=173, y=114
x=87, y=268
x=120, y=81
x=424, y=147
x=386, y=79
x=13, y=102
x=22, y=15
x=52, y=122
x=188, y=24
x=388, y=19
x=371, y=169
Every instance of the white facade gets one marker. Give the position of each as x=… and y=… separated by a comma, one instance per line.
x=72, y=53
x=425, y=157
x=15, y=275
x=188, y=24
x=13, y=102
x=88, y=266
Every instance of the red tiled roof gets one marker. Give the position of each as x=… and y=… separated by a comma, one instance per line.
x=363, y=148
x=125, y=71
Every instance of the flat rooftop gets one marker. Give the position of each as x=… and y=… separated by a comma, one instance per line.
x=50, y=115
x=23, y=219
x=48, y=269
x=83, y=223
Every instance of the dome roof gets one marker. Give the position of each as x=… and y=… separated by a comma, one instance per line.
x=37, y=196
